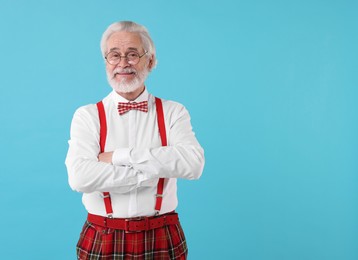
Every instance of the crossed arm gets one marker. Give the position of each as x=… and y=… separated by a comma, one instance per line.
x=125, y=169
x=105, y=157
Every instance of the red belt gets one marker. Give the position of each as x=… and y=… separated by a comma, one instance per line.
x=135, y=224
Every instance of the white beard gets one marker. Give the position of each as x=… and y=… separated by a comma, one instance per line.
x=127, y=86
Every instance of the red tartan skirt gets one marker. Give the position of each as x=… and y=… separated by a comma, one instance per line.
x=97, y=242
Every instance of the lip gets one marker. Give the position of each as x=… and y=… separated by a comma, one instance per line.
x=124, y=73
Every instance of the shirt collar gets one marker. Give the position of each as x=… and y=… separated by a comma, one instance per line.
x=118, y=98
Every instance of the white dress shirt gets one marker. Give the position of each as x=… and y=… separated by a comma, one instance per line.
x=138, y=160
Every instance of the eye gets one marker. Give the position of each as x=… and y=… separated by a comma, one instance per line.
x=113, y=55
x=132, y=55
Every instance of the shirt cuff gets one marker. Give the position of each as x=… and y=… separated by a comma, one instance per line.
x=121, y=156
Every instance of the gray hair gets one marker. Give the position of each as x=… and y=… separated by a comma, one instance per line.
x=128, y=26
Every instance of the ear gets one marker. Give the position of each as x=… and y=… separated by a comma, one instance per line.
x=151, y=63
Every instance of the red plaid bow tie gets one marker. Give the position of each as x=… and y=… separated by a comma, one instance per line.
x=125, y=107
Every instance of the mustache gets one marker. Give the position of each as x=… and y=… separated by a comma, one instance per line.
x=125, y=70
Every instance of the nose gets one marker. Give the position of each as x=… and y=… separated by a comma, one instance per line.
x=123, y=63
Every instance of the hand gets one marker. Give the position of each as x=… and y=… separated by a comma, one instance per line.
x=105, y=157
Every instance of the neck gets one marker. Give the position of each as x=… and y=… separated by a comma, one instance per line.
x=132, y=95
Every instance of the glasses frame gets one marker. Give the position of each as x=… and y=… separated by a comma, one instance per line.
x=125, y=56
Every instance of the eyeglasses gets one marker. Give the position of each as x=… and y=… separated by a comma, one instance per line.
x=132, y=57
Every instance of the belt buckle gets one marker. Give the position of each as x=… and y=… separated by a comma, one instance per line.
x=138, y=219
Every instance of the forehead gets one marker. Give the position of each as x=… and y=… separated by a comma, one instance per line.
x=122, y=41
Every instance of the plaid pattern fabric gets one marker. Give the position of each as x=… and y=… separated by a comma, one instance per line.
x=125, y=107
x=166, y=243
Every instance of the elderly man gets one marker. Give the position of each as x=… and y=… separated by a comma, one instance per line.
x=125, y=155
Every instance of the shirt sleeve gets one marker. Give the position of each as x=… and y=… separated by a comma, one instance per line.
x=85, y=173
x=182, y=158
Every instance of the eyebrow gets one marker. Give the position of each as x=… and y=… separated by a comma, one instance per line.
x=129, y=49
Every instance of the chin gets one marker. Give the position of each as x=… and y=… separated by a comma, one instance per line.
x=127, y=86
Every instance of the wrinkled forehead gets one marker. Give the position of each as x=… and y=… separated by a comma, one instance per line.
x=124, y=41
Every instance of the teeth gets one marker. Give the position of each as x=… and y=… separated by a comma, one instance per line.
x=124, y=72
x=120, y=73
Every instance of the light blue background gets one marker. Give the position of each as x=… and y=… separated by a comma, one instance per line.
x=272, y=90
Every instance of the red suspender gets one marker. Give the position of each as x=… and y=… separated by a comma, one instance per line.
x=102, y=143
x=161, y=124
x=103, y=126
x=163, y=137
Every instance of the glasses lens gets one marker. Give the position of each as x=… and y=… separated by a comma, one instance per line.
x=133, y=57
x=113, y=57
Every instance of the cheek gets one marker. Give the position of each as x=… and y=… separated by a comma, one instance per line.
x=141, y=67
x=109, y=68
x=143, y=64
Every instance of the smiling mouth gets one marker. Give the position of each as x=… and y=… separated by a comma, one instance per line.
x=124, y=73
